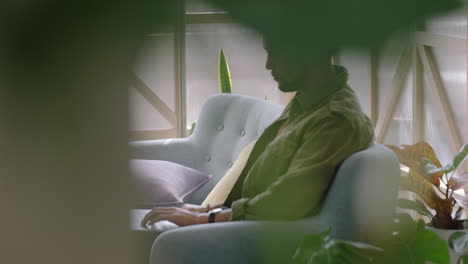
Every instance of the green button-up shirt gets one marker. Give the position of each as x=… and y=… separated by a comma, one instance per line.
x=287, y=176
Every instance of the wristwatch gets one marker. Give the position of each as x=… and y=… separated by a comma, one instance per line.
x=213, y=213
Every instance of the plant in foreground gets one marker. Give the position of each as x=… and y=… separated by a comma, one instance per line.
x=406, y=242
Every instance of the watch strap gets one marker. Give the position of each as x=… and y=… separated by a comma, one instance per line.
x=212, y=214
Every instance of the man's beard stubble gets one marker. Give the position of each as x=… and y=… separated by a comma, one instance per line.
x=290, y=86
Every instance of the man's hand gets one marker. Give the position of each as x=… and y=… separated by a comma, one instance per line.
x=178, y=216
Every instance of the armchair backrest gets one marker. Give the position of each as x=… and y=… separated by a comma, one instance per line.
x=362, y=199
x=227, y=123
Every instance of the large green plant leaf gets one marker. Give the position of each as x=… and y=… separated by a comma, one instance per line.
x=416, y=205
x=224, y=75
x=413, y=156
x=412, y=243
x=322, y=249
x=417, y=184
x=457, y=160
x=309, y=244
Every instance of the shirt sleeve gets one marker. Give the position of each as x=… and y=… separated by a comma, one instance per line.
x=299, y=192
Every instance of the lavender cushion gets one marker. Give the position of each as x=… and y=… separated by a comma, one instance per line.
x=162, y=183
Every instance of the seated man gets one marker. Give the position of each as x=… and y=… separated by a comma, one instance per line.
x=294, y=161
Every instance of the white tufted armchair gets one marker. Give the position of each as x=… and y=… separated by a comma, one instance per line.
x=226, y=125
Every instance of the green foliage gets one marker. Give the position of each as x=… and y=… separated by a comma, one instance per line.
x=424, y=177
x=322, y=249
x=411, y=242
x=224, y=75
x=407, y=242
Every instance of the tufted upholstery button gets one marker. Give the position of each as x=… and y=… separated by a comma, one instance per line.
x=243, y=133
x=220, y=127
x=207, y=157
x=230, y=164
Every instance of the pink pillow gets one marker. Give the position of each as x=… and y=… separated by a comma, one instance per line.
x=162, y=183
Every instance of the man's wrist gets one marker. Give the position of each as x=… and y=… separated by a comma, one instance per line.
x=202, y=218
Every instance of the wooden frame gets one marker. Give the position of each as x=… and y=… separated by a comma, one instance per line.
x=153, y=99
x=422, y=59
x=438, y=88
x=398, y=80
x=440, y=41
x=418, y=119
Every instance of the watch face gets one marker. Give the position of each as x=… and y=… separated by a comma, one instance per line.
x=216, y=210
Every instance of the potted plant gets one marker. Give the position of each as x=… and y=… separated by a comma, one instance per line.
x=435, y=185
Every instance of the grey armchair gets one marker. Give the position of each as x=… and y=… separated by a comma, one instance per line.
x=359, y=205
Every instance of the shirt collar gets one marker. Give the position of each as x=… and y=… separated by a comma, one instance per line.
x=311, y=98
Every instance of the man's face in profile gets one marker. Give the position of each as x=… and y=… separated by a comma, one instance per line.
x=285, y=67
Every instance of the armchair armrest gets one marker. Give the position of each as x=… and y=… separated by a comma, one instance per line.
x=177, y=150
x=233, y=242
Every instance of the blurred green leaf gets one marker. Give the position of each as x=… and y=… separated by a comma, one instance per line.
x=224, y=75
x=309, y=21
x=192, y=128
x=322, y=249
x=411, y=242
x=416, y=205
